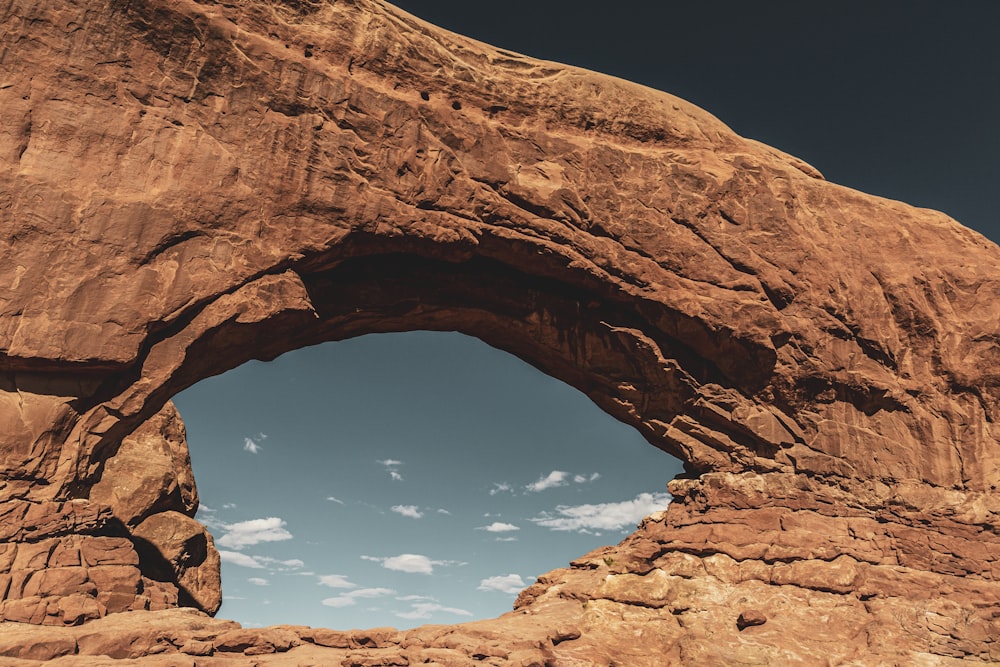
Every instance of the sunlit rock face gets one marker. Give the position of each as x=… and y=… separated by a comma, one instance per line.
x=185, y=186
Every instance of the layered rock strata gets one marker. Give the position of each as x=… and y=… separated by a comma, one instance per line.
x=188, y=185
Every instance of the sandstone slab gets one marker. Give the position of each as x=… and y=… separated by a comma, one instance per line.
x=190, y=185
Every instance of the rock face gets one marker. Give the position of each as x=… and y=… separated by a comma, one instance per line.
x=188, y=185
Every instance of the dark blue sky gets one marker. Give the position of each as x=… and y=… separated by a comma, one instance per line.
x=412, y=478
x=899, y=98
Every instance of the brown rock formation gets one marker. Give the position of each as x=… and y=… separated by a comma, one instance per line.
x=188, y=185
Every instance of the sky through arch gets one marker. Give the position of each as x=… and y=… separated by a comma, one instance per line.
x=402, y=479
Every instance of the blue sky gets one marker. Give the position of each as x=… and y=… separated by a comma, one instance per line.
x=411, y=478
x=400, y=479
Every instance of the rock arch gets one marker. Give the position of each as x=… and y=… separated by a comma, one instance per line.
x=198, y=184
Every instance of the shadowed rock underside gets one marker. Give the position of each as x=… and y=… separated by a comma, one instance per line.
x=186, y=185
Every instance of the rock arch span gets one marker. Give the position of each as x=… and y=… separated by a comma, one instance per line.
x=194, y=184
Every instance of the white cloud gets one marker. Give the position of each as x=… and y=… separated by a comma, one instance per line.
x=392, y=467
x=335, y=500
x=604, y=516
x=251, y=445
x=583, y=479
x=550, y=481
x=506, y=539
x=508, y=583
x=208, y=516
x=255, y=531
x=444, y=511
x=498, y=527
x=351, y=597
x=412, y=563
x=501, y=487
x=335, y=581
x=411, y=511
x=259, y=581
x=414, y=598
x=423, y=610
x=229, y=506
x=259, y=562
x=243, y=560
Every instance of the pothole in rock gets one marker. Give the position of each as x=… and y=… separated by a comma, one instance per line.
x=403, y=479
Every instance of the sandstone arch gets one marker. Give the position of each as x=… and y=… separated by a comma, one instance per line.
x=196, y=184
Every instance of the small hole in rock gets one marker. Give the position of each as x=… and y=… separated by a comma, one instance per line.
x=424, y=95
x=456, y=105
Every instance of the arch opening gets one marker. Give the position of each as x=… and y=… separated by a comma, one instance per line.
x=405, y=479
x=644, y=365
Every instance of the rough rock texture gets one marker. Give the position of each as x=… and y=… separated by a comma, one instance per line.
x=186, y=185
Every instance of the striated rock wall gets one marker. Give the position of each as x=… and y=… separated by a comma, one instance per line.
x=188, y=185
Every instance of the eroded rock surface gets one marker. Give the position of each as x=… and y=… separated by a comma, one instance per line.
x=188, y=185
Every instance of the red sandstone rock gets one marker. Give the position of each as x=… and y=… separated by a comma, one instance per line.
x=175, y=545
x=150, y=473
x=750, y=618
x=184, y=188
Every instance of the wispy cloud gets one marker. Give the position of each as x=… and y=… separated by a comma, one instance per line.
x=444, y=511
x=335, y=500
x=554, y=479
x=424, y=610
x=501, y=487
x=259, y=562
x=259, y=581
x=255, y=531
x=412, y=563
x=507, y=583
x=351, y=597
x=499, y=527
x=392, y=467
x=603, y=516
x=550, y=481
x=251, y=445
x=411, y=511
x=209, y=518
x=243, y=560
x=506, y=539
x=336, y=581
